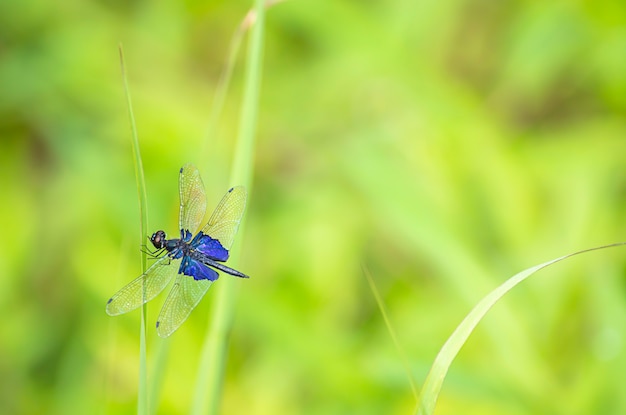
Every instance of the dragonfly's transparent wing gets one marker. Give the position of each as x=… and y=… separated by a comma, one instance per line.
x=225, y=220
x=184, y=297
x=192, y=198
x=155, y=279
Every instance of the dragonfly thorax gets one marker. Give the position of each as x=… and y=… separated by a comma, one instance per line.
x=158, y=239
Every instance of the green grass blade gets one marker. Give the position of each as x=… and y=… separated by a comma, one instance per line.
x=142, y=399
x=158, y=373
x=222, y=86
x=210, y=374
x=241, y=173
x=392, y=332
x=434, y=380
x=142, y=390
x=227, y=72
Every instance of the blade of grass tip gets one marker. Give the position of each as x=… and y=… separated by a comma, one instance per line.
x=434, y=380
x=210, y=375
x=142, y=392
x=225, y=76
x=392, y=332
x=222, y=87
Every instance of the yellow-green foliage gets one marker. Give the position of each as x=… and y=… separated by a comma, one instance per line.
x=442, y=146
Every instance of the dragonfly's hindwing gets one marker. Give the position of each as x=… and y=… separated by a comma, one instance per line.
x=182, y=299
x=153, y=281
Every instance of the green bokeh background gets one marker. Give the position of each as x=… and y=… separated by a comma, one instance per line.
x=443, y=146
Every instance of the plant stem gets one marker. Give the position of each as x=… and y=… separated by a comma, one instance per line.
x=211, y=368
x=142, y=399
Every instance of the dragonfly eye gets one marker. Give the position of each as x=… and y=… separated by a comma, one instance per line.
x=158, y=239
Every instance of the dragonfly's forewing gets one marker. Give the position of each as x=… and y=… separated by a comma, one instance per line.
x=225, y=219
x=192, y=198
x=182, y=299
x=143, y=288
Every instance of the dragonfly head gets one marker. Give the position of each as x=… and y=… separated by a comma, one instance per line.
x=158, y=239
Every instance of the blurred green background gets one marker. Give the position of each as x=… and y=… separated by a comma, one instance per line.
x=443, y=146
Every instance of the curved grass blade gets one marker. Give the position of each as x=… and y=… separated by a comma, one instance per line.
x=224, y=81
x=434, y=380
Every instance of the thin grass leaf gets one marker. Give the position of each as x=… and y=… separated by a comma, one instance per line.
x=142, y=398
x=210, y=375
x=158, y=373
x=241, y=171
x=434, y=380
x=224, y=81
x=142, y=390
x=222, y=87
x=392, y=332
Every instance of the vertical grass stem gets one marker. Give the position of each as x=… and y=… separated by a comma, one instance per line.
x=142, y=399
x=210, y=376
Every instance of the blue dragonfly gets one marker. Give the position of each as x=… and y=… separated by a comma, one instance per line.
x=193, y=259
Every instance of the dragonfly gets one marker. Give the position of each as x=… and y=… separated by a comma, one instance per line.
x=193, y=258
